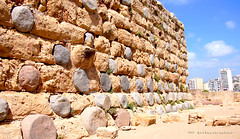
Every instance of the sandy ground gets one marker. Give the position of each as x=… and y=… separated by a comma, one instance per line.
x=183, y=130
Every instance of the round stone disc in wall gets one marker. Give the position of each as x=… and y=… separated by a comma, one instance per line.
x=61, y=55
x=29, y=78
x=81, y=81
x=125, y=83
x=150, y=85
x=4, y=109
x=139, y=85
x=90, y=5
x=22, y=18
x=105, y=82
x=128, y=53
x=60, y=105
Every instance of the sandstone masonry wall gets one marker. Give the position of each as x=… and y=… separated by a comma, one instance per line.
x=80, y=48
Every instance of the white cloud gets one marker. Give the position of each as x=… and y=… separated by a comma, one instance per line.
x=191, y=35
x=218, y=48
x=230, y=24
x=191, y=55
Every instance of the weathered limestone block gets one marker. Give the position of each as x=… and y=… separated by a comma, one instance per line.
x=220, y=120
x=117, y=49
x=22, y=104
x=5, y=16
x=122, y=118
x=137, y=5
x=143, y=120
x=119, y=20
x=38, y=126
x=11, y=130
x=107, y=132
x=61, y=55
x=125, y=84
x=20, y=46
x=55, y=9
x=123, y=66
x=124, y=10
x=123, y=100
x=110, y=31
x=102, y=44
x=92, y=118
x=82, y=56
x=4, y=109
x=139, y=19
x=50, y=28
x=22, y=18
x=81, y=81
x=70, y=127
x=137, y=98
x=60, y=105
x=56, y=79
x=103, y=101
x=116, y=84
x=101, y=61
x=149, y=98
x=125, y=37
x=105, y=82
x=78, y=102
x=29, y=78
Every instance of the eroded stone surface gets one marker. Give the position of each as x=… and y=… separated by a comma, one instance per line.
x=60, y=105
x=110, y=132
x=38, y=126
x=22, y=18
x=92, y=118
x=29, y=78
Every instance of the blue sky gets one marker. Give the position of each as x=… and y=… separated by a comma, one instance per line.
x=212, y=32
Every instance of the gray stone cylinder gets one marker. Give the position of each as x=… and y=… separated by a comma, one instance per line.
x=103, y=101
x=139, y=85
x=81, y=81
x=124, y=83
x=61, y=55
x=105, y=82
x=60, y=105
x=4, y=109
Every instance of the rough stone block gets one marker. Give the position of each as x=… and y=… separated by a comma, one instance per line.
x=102, y=44
x=220, y=121
x=38, y=126
x=101, y=61
x=92, y=118
x=105, y=82
x=22, y=18
x=4, y=109
x=81, y=81
x=60, y=105
x=122, y=118
x=110, y=31
x=143, y=120
x=110, y=132
x=11, y=130
x=61, y=55
x=29, y=78
x=103, y=101
x=125, y=83
x=125, y=37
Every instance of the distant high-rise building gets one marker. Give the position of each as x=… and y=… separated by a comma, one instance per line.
x=206, y=86
x=236, y=83
x=195, y=83
x=226, y=79
x=214, y=85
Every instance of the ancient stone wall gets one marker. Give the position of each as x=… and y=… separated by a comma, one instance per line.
x=67, y=52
